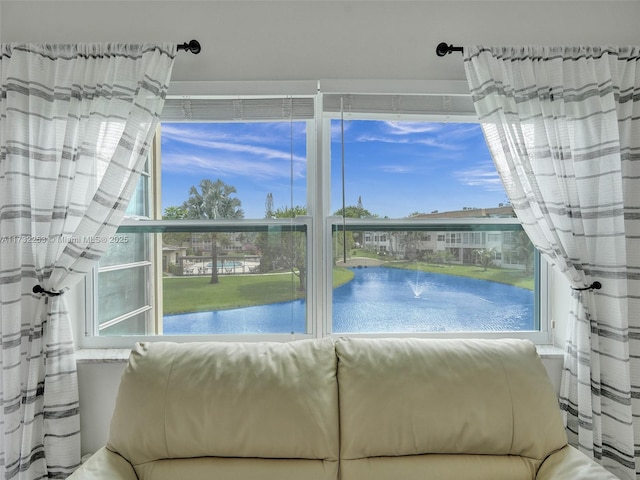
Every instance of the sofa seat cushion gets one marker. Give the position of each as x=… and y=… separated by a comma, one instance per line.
x=238, y=469
x=215, y=399
x=418, y=396
x=440, y=467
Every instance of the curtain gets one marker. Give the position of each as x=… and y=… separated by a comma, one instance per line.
x=563, y=127
x=76, y=123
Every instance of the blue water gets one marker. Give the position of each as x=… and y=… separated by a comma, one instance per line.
x=228, y=263
x=380, y=300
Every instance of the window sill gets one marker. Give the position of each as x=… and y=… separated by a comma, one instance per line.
x=550, y=352
x=102, y=355
x=121, y=355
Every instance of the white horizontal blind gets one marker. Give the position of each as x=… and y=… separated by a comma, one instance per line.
x=237, y=109
x=399, y=105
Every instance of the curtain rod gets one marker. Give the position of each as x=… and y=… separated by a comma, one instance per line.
x=443, y=49
x=193, y=46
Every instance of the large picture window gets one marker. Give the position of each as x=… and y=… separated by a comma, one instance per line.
x=289, y=217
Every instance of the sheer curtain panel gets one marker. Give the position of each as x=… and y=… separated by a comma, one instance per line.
x=76, y=123
x=563, y=126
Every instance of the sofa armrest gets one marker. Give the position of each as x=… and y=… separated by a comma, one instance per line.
x=105, y=465
x=570, y=464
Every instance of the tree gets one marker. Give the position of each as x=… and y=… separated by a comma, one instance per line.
x=411, y=243
x=268, y=206
x=175, y=213
x=524, y=250
x=213, y=201
x=357, y=211
x=485, y=257
x=293, y=246
x=175, y=238
x=284, y=250
x=352, y=211
x=440, y=257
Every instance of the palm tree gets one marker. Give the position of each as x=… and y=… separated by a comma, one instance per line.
x=485, y=257
x=214, y=201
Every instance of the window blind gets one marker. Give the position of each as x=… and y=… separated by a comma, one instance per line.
x=424, y=105
x=237, y=109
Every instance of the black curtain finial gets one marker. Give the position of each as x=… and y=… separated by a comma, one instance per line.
x=444, y=49
x=193, y=46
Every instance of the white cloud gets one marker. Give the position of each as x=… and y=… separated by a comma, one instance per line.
x=482, y=175
x=382, y=139
x=229, y=165
x=429, y=134
x=336, y=129
x=433, y=142
x=396, y=169
x=195, y=150
x=409, y=128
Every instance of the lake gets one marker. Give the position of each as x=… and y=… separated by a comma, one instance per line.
x=382, y=300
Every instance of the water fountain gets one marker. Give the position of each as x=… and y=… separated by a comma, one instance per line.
x=417, y=287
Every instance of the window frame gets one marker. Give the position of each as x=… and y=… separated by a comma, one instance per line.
x=320, y=220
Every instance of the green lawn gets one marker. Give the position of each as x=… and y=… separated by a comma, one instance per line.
x=196, y=294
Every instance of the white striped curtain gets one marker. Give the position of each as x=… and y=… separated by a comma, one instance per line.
x=76, y=124
x=563, y=126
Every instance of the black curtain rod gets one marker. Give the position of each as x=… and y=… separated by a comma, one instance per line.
x=193, y=46
x=443, y=49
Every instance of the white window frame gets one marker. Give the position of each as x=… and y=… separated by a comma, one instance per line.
x=319, y=223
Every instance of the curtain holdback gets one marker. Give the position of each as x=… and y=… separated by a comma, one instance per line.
x=594, y=286
x=39, y=289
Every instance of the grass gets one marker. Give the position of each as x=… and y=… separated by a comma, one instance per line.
x=196, y=294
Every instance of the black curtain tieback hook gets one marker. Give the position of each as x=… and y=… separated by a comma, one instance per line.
x=39, y=289
x=593, y=286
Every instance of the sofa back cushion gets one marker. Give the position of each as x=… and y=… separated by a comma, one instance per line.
x=435, y=396
x=251, y=400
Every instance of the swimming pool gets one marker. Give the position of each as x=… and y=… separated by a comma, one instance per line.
x=382, y=300
x=226, y=263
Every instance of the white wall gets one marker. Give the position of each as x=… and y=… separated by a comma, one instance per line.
x=307, y=39
x=310, y=40
x=98, y=383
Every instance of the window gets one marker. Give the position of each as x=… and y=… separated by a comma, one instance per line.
x=125, y=273
x=405, y=179
x=237, y=227
x=224, y=230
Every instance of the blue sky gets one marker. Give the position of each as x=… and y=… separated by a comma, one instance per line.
x=397, y=168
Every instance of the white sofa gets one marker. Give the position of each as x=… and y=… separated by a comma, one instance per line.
x=350, y=409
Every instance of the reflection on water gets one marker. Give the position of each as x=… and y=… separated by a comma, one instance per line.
x=380, y=300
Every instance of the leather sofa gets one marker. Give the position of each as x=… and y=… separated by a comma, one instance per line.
x=349, y=409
